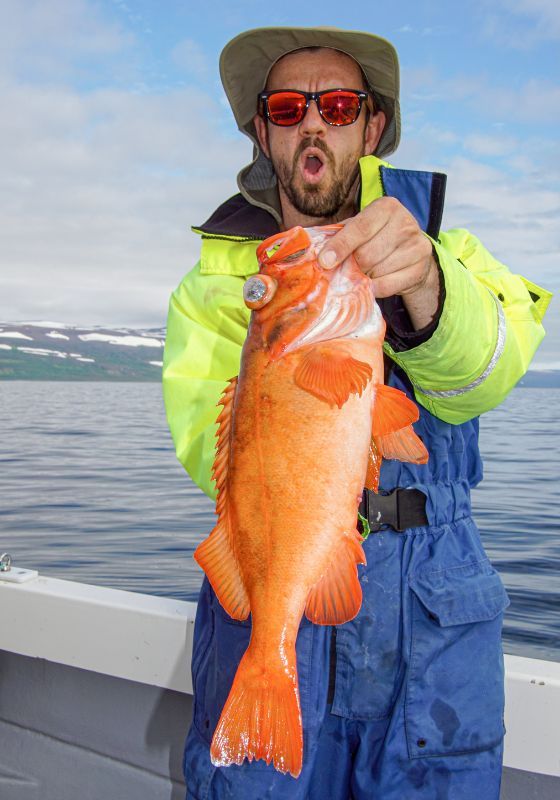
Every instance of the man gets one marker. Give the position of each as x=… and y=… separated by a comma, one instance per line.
x=406, y=700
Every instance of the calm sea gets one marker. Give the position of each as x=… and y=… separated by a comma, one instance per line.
x=90, y=490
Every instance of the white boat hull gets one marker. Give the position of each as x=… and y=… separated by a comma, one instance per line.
x=95, y=698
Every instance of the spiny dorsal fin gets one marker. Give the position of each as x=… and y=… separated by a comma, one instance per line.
x=331, y=374
x=216, y=554
x=219, y=469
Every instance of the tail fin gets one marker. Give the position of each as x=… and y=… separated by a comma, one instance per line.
x=261, y=718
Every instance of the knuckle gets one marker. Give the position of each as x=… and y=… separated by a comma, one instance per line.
x=423, y=249
x=410, y=226
x=391, y=204
x=383, y=287
x=362, y=224
x=363, y=256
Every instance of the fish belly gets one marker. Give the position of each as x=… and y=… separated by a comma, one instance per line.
x=297, y=472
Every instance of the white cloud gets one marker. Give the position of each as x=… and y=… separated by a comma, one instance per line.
x=530, y=23
x=97, y=197
x=535, y=101
x=432, y=30
x=39, y=38
x=485, y=145
x=189, y=56
x=511, y=204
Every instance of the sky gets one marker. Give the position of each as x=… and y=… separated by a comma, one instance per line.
x=116, y=137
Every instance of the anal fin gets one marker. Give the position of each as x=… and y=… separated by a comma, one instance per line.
x=218, y=561
x=337, y=597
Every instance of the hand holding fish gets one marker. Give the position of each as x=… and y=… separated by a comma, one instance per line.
x=390, y=247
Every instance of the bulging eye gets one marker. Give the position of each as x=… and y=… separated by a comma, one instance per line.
x=258, y=291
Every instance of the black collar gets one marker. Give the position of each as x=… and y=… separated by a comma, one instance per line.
x=237, y=217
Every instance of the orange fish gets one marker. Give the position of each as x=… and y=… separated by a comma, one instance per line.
x=303, y=428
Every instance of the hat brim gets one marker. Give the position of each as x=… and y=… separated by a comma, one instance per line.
x=246, y=61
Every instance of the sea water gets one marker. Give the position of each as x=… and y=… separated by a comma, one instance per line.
x=90, y=490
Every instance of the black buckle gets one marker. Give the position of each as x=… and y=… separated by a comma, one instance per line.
x=400, y=509
x=384, y=510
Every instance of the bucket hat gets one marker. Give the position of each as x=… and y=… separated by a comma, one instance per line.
x=246, y=61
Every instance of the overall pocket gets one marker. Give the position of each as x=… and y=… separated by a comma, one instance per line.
x=455, y=689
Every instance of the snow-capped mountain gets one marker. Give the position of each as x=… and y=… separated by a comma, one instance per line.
x=54, y=351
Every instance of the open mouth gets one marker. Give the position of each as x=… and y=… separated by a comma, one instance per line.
x=312, y=165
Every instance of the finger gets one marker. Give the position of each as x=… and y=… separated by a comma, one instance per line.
x=400, y=274
x=395, y=257
x=401, y=282
x=356, y=232
x=375, y=251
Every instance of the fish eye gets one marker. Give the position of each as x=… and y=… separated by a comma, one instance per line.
x=258, y=291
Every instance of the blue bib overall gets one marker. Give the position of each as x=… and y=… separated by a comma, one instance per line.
x=417, y=707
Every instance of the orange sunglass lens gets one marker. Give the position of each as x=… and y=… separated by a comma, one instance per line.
x=340, y=108
x=286, y=108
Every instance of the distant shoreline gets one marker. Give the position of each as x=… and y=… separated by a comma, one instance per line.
x=50, y=352
x=44, y=351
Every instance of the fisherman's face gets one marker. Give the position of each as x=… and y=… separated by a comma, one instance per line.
x=312, y=192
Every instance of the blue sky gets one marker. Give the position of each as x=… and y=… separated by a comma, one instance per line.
x=105, y=166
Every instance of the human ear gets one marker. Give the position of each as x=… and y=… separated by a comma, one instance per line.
x=261, y=128
x=373, y=131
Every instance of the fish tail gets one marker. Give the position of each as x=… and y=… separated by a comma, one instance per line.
x=261, y=718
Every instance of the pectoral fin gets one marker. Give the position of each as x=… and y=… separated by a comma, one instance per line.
x=392, y=410
x=403, y=445
x=392, y=433
x=330, y=373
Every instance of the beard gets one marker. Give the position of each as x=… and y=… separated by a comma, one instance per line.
x=314, y=200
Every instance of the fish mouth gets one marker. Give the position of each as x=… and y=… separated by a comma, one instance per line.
x=312, y=163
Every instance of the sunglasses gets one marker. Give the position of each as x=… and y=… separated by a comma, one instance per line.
x=286, y=107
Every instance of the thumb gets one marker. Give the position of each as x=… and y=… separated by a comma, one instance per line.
x=335, y=249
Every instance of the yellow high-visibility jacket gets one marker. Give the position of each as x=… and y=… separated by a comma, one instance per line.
x=488, y=331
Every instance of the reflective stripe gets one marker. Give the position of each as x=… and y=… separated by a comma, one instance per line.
x=500, y=343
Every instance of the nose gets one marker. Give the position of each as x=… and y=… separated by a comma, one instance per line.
x=313, y=122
